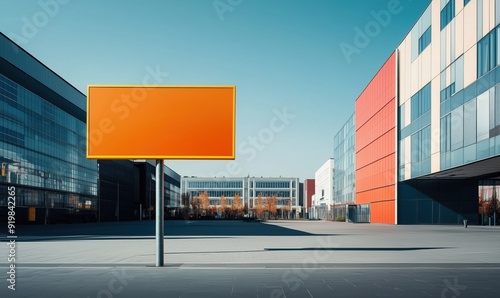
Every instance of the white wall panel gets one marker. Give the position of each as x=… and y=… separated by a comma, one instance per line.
x=436, y=38
x=470, y=66
x=459, y=34
x=470, y=20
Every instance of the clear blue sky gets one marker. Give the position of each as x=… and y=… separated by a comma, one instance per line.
x=280, y=54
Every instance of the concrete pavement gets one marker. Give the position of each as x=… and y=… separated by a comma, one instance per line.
x=247, y=259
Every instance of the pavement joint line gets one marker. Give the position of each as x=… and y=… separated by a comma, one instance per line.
x=277, y=266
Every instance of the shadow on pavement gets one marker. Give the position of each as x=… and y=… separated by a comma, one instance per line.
x=201, y=228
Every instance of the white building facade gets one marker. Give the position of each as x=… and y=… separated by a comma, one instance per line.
x=323, y=198
x=249, y=188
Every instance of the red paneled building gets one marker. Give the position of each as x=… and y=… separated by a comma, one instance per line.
x=376, y=145
x=309, y=190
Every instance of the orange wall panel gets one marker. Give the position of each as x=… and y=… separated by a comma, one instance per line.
x=376, y=144
x=382, y=212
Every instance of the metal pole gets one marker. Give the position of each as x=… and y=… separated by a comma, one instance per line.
x=118, y=207
x=150, y=204
x=159, y=212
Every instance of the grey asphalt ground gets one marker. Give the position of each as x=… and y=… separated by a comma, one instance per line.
x=250, y=259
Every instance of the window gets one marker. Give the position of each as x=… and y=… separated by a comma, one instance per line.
x=470, y=122
x=446, y=133
x=424, y=40
x=457, y=129
x=483, y=121
x=447, y=14
x=421, y=102
x=487, y=53
x=421, y=145
x=447, y=92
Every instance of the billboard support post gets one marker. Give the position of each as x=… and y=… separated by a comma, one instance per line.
x=159, y=212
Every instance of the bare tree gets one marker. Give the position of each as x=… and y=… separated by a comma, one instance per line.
x=205, y=202
x=236, y=206
x=196, y=206
x=271, y=205
x=223, y=205
x=258, y=208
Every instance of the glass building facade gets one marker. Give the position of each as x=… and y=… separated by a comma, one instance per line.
x=42, y=141
x=449, y=131
x=345, y=171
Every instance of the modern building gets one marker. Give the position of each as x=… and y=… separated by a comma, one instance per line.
x=147, y=189
x=127, y=190
x=309, y=190
x=449, y=112
x=43, y=152
x=427, y=126
x=323, y=196
x=249, y=188
x=42, y=141
x=345, y=171
x=301, y=198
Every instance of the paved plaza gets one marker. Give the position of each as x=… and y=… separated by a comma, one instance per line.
x=252, y=259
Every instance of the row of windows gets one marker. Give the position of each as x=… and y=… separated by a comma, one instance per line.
x=488, y=52
x=279, y=194
x=8, y=85
x=472, y=122
x=477, y=151
x=345, y=131
x=421, y=102
x=215, y=184
x=447, y=92
x=447, y=13
x=281, y=184
x=28, y=122
x=36, y=198
x=424, y=40
x=31, y=105
x=216, y=193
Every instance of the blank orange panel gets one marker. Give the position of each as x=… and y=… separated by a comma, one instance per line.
x=376, y=144
x=382, y=212
x=161, y=122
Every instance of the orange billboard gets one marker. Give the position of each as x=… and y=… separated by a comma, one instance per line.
x=161, y=122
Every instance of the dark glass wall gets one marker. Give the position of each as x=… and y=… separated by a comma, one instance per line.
x=118, y=190
x=437, y=201
x=147, y=190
